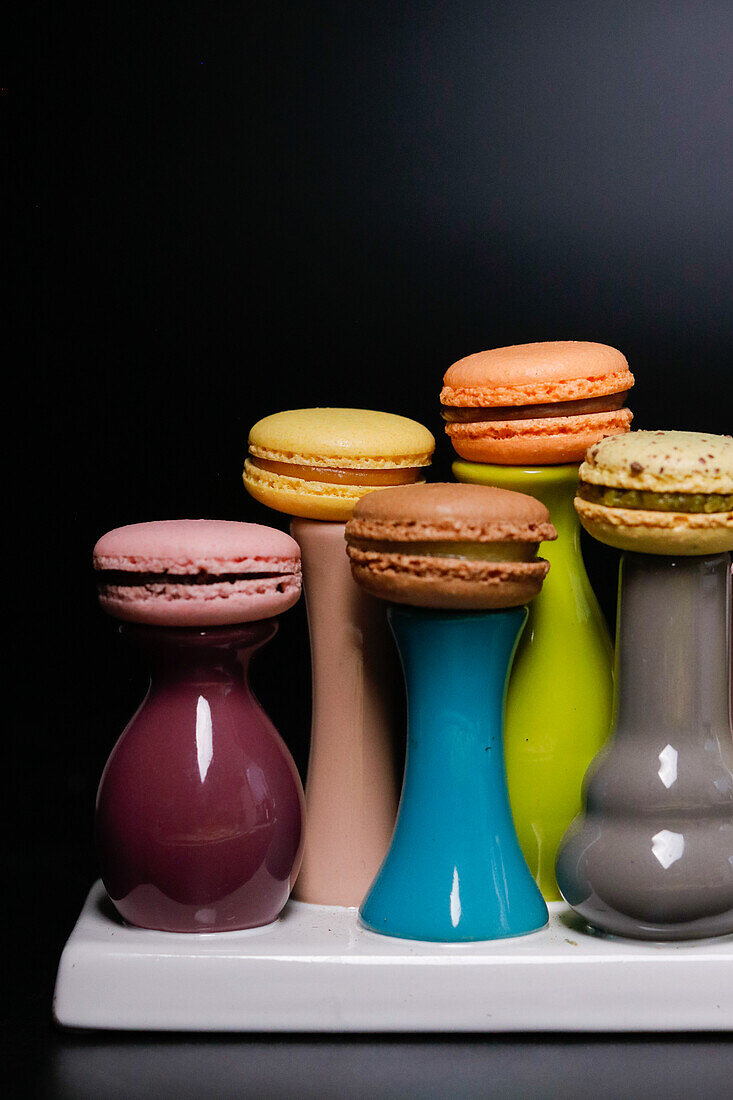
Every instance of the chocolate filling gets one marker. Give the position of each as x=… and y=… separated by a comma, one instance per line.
x=607, y=403
x=124, y=579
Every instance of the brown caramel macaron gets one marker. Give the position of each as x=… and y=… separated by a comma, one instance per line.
x=449, y=546
x=536, y=404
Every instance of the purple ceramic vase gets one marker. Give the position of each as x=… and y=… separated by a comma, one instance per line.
x=199, y=821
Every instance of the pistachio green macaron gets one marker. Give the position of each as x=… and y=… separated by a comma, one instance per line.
x=663, y=492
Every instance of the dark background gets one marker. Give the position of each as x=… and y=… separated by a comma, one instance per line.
x=236, y=208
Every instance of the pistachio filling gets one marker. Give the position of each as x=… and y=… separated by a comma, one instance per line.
x=333, y=475
x=607, y=403
x=655, y=502
x=466, y=551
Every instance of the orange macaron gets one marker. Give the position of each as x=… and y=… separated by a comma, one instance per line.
x=536, y=404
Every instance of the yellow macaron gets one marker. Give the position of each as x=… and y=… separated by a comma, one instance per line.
x=317, y=463
x=659, y=492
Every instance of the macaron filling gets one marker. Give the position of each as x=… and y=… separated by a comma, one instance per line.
x=607, y=403
x=335, y=475
x=464, y=551
x=119, y=578
x=609, y=497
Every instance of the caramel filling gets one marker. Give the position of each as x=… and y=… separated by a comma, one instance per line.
x=466, y=551
x=333, y=475
x=703, y=503
x=608, y=403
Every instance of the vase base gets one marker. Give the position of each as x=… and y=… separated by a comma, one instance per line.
x=618, y=926
x=419, y=935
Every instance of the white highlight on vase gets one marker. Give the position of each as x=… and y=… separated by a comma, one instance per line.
x=668, y=847
x=668, y=771
x=455, y=900
x=205, y=916
x=204, y=736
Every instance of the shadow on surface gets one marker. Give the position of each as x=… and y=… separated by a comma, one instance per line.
x=88, y=1067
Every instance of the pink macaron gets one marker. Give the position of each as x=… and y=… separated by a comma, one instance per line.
x=196, y=572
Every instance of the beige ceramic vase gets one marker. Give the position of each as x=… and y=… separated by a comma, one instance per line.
x=352, y=788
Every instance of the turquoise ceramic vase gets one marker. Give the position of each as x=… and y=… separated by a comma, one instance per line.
x=455, y=871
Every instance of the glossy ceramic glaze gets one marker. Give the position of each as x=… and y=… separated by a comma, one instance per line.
x=652, y=855
x=200, y=809
x=558, y=709
x=455, y=871
x=352, y=788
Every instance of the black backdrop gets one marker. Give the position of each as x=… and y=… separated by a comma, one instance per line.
x=237, y=208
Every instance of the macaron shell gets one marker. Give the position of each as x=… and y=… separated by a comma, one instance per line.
x=535, y=374
x=189, y=546
x=447, y=583
x=307, y=499
x=662, y=461
x=242, y=601
x=540, y=442
x=343, y=438
x=519, y=529
x=683, y=534
x=446, y=510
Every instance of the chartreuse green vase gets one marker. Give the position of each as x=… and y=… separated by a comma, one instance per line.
x=558, y=706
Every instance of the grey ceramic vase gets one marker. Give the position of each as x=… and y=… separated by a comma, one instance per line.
x=651, y=856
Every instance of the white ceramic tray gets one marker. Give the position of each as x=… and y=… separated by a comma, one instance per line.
x=317, y=969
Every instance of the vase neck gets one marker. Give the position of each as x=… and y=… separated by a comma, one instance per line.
x=214, y=654
x=456, y=666
x=672, y=655
x=555, y=487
